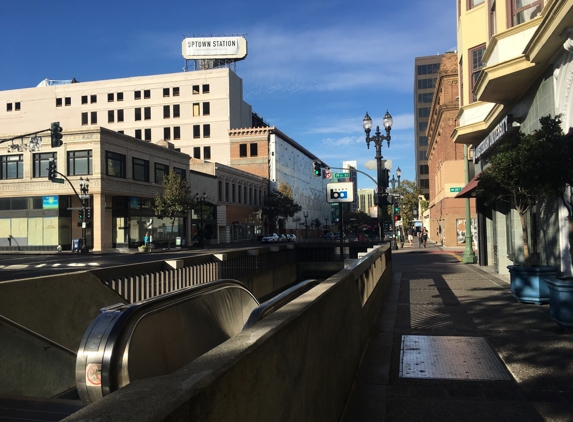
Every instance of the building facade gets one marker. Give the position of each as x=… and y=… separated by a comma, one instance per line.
x=516, y=64
x=425, y=76
x=446, y=162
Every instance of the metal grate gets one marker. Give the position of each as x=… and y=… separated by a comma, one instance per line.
x=441, y=357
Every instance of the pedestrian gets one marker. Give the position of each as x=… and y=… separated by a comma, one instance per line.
x=410, y=235
x=424, y=236
x=146, y=239
x=420, y=239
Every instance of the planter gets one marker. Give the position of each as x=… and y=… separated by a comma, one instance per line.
x=141, y=248
x=561, y=301
x=528, y=283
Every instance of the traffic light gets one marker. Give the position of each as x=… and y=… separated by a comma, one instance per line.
x=52, y=169
x=89, y=213
x=81, y=215
x=396, y=208
x=316, y=168
x=397, y=217
x=56, y=133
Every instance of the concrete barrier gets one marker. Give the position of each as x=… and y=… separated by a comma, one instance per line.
x=298, y=364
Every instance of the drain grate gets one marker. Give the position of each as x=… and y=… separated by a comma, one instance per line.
x=441, y=357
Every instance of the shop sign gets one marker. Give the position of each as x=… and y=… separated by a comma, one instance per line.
x=495, y=135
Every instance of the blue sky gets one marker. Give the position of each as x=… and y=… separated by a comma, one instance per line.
x=313, y=70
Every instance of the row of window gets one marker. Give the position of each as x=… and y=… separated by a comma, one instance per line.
x=237, y=194
x=118, y=96
x=426, y=97
x=169, y=111
x=427, y=83
x=79, y=163
x=520, y=11
x=428, y=69
x=253, y=149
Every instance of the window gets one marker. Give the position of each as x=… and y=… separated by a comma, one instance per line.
x=161, y=170
x=226, y=191
x=12, y=166
x=9, y=107
x=58, y=102
x=17, y=106
x=206, y=89
x=120, y=115
x=206, y=153
x=424, y=169
x=181, y=172
x=233, y=193
x=424, y=184
x=79, y=163
x=176, y=110
x=206, y=109
x=220, y=190
x=195, y=89
x=84, y=99
x=424, y=112
x=474, y=3
x=245, y=195
x=196, y=110
x=423, y=141
x=166, y=92
x=176, y=132
x=93, y=98
x=176, y=91
x=197, y=152
x=476, y=65
x=525, y=10
x=242, y=150
x=138, y=134
x=137, y=95
x=110, y=116
x=422, y=155
x=425, y=97
x=147, y=113
x=137, y=114
x=422, y=126
x=148, y=134
x=206, y=131
x=239, y=190
x=120, y=96
x=110, y=97
x=428, y=69
x=68, y=101
x=196, y=131
x=147, y=94
x=254, y=150
x=167, y=133
x=93, y=117
x=166, y=112
x=84, y=118
x=114, y=164
x=140, y=170
x=426, y=83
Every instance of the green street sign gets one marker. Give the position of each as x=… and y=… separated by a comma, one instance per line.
x=56, y=180
x=455, y=189
x=341, y=175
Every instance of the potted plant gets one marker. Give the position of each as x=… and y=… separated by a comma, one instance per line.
x=520, y=172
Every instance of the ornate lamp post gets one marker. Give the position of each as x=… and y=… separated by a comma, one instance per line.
x=393, y=181
x=84, y=196
x=305, y=215
x=378, y=139
x=200, y=199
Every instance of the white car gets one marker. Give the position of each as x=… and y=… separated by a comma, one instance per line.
x=270, y=238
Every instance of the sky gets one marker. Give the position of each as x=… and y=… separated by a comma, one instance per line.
x=313, y=70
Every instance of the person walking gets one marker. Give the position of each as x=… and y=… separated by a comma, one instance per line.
x=424, y=236
x=410, y=235
x=420, y=239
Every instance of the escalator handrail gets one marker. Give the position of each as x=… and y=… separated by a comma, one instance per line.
x=279, y=301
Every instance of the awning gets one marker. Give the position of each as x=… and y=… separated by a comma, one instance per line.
x=469, y=190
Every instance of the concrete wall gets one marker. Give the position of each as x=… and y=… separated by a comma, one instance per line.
x=297, y=364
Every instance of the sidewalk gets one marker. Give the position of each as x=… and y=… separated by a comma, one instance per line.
x=452, y=344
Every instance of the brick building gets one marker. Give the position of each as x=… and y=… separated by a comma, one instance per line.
x=446, y=159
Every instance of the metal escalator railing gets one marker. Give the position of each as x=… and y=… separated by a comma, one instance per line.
x=158, y=336
x=271, y=305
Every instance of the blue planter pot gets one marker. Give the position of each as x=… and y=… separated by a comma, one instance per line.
x=528, y=283
x=561, y=301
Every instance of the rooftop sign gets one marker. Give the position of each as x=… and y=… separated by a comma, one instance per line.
x=214, y=48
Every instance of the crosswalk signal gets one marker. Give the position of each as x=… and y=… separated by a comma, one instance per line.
x=56, y=133
x=316, y=168
x=52, y=169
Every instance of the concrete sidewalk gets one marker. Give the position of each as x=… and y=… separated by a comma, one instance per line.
x=452, y=344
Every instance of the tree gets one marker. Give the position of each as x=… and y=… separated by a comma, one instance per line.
x=409, y=193
x=175, y=201
x=277, y=205
x=527, y=169
x=316, y=223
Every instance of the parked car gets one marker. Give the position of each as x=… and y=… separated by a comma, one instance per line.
x=270, y=238
x=329, y=236
x=291, y=237
x=283, y=238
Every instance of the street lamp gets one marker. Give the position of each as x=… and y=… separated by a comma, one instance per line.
x=200, y=199
x=305, y=215
x=378, y=139
x=84, y=189
x=393, y=181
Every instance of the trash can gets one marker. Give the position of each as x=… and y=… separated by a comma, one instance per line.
x=77, y=245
